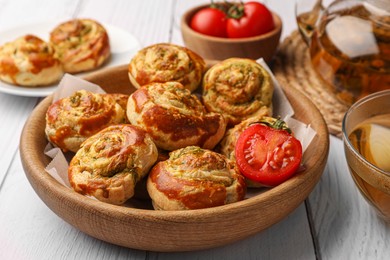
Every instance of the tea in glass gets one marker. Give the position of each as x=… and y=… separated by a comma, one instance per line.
x=366, y=130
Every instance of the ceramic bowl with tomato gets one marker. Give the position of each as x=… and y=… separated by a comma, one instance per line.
x=233, y=43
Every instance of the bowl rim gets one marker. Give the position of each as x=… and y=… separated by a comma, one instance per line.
x=186, y=17
x=47, y=187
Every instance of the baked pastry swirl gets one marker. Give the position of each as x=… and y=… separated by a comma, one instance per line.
x=238, y=88
x=29, y=61
x=70, y=120
x=121, y=99
x=174, y=117
x=80, y=44
x=111, y=162
x=194, y=178
x=166, y=62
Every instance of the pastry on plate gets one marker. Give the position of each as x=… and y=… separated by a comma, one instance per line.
x=166, y=62
x=194, y=178
x=80, y=44
x=174, y=117
x=70, y=120
x=110, y=163
x=29, y=61
x=238, y=88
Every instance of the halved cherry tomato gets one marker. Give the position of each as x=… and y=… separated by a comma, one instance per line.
x=209, y=21
x=267, y=155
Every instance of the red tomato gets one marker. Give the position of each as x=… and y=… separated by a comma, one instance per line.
x=256, y=20
x=267, y=155
x=209, y=21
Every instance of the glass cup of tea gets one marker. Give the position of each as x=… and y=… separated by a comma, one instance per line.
x=366, y=136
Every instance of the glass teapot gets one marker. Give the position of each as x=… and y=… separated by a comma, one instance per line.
x=349, y=43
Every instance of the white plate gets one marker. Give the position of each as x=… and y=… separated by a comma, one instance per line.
x=123, y=46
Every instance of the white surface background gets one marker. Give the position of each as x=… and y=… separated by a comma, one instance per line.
x=333, y=223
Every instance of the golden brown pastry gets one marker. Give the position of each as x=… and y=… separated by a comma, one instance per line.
x=111, y=162
x=70, y=120
x=238, y=88
x=166, y=62
x=174, y=117
x=121, y=99
x=29, y=61
x=194, y=178
x=80, y=44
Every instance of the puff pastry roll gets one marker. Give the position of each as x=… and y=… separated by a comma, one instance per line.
x=238, y=88
x=194, y=178
x=174, y=117
x=166, y=62
x=80, y=44
x=29, y=61
x=70, y=120
x=111, y=162
x=121, y=99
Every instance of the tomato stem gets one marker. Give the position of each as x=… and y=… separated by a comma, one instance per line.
x=277, y=124
x=232, y=10
x=224, y=7
x=236, y=11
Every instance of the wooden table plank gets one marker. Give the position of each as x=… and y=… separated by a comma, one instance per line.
x=15, y=13
x=148, y=20
x=346, y=227
x=33, y=231
x=277, y=242
x=16, y=110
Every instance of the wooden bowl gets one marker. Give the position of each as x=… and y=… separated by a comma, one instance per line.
x=139, y=226
x=217, y=48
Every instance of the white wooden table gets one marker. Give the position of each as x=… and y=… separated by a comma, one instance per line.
x=333, y=223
